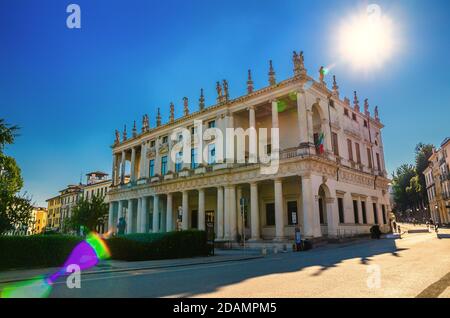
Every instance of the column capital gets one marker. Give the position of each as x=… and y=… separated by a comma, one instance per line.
x=278, y=180
x=274, y=100
x=252, y=107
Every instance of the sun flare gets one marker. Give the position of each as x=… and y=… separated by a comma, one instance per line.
x=366, y=41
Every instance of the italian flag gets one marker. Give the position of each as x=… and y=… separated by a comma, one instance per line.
x=319, y=143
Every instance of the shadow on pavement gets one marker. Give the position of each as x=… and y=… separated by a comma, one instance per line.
x=187, y=282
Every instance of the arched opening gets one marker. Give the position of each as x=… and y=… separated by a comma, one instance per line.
x=323, y=206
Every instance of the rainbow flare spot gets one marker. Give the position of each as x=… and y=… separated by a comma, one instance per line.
x=86, y=255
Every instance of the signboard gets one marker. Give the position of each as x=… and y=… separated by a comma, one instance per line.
x=294, y=217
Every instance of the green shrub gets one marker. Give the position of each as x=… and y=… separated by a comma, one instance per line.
x=35, y=251
x=53, y=250
x=139, y=247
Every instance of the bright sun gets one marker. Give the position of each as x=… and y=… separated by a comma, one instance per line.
x=366, y=41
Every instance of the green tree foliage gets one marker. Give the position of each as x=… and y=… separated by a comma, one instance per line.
x=89, y=213
x=408, y=182
x=15, y=210
x=423, y=153
x=400, y=182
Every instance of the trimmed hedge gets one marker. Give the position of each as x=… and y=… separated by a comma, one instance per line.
x=35, y=251
x=52, y=250
x=140, y=247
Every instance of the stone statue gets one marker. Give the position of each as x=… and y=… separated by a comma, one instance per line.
x=172, y=112
x=117, y=140
x=366, y=106
x=322, y=74
x=201, y=100
x=377, y=117
x=125, y=133
x=219, y=89
x=355, y=101
x=186, y=106
x=225, y=89
x=249, y=82
x=121, y=226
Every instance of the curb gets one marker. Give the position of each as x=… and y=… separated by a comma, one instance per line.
x=119, y=270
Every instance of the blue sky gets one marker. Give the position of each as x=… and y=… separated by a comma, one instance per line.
x=70, y=89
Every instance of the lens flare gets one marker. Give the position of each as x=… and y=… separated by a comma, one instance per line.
x=367, y=40
x=86, y=255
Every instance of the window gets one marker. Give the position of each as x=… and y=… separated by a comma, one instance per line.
x=165, y=139
x=350, y=150
x=355, y=211
x=164, y=165
x=375, y=213
x=334, y=139
x=321, y=216
x=211, y=154
x=358, y=153
x=354, y=117
x=369, y=158
x=331, y=103
x=193, y=130
x=179, y=161
x=292, y=212
x=383, y=210
x=270, y=214
x=212, y=124
x=346, y=112
x=341, y=210
x=378, y=162
x=194, y=164
x=269, y=149
x=364, y=215
x=365, y=123
x=152, y=143
x=194, y=219
x=152, y=168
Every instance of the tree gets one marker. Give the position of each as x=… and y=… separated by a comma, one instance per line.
x=89, y=213
x=423, y=153
x=15, y=210
x=400, y=182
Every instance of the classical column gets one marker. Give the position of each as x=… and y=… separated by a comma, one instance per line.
x=308, y=207
x=142, y=163
x=120, y=212
x=130, y=217
x=185, y=205
x=111, y=217
x=144, y=215
x=279, y=215
x=169, y=213
x=254, y=212
x=114, y=170
x=228, y=123
x=133, y=164
x=253, y=148
x=139, y=228
x=155, y=213
x=238, y=210
x=219, y=212
x=274, y=114
x=331, y=217
x=157, y=166
x=230, y=213
x=170, y=162
x=122, y=168
x=201, y=209
x=302, y=117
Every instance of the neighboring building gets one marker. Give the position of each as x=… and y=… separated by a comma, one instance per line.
x=41, y=220
x=54, y=213
x=437, y=178
x=97, y=184
x=69, y=198
x=331, y=178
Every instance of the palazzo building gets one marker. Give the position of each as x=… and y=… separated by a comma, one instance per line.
x=437, y=178
x=330, y=179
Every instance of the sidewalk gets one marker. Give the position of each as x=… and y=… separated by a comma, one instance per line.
x=111, y=266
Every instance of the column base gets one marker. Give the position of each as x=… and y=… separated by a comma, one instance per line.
x=280, y=239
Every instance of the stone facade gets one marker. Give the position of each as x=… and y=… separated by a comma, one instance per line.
x=333, y=188
x=437, y=178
